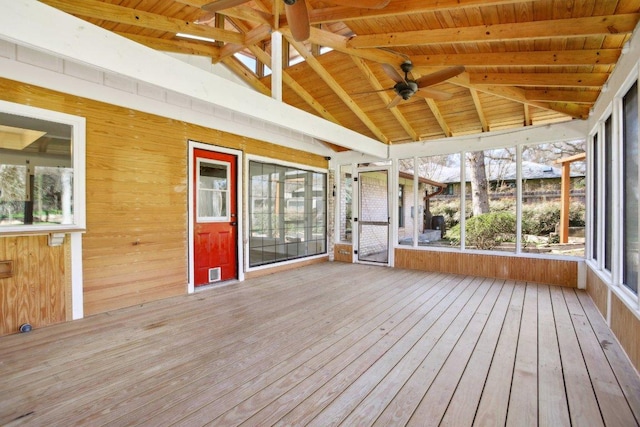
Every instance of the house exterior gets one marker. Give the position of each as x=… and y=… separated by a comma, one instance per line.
x=152, y=138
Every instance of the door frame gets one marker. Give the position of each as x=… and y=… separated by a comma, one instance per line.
x=357, y=197
x=191, y=210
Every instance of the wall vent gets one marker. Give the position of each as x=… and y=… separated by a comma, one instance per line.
x=214, y=274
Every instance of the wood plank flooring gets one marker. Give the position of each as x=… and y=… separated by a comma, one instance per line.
x=329, y=344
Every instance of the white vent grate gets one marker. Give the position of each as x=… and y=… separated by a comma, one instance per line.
x=214, y=274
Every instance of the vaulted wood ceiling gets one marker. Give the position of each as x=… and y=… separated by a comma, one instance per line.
x=526, y=62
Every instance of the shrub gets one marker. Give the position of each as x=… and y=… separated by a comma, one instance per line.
x=541, y=219
x=450, y=211
x=486, y=231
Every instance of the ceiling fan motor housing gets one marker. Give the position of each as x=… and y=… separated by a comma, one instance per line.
x=406, y=89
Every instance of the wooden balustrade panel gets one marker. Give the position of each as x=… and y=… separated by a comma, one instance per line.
x=624, y=323
x=343, y=253
x=626, y=326
x=36, y=291
x=549, y=271
x=597, y=290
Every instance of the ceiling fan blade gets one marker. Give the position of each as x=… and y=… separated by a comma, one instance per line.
x=439, y=76
x=395, y=101
x=298, y=20
x=438, y=95
x=365, y=4
x=392, y=73
x=372, y=91
x=217, y=5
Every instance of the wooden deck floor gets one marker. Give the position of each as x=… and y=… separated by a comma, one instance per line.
x=329, y=344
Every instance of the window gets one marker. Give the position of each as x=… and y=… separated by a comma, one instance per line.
x=630, y=188
x=41, y=170
x=490, y=177
x=542, y=228
x=401, y=205
x=213, y=191
x=594, y=198
x=608, y=193
x=287, y=213
x=346, y=192
x=406, y=220
x=438, y=206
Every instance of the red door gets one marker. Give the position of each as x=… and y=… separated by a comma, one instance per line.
x=215, y=217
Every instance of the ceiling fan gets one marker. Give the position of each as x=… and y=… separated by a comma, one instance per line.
x=405, y=87
x=296, y=11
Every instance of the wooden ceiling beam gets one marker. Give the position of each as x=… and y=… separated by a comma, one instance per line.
x=446, y=129
x=377, y=86
x=124, y=15
x=539, y=79
x=399, y=9
x=339, y=43
x=263, y=56
x=239, y=12
x=559, y=95
x=527, y=115
x=573, y=27
x=337, y=89
x=518, y=95
x=579, y=111
x=177, y=46
x=476, y=101
x=248, y=76
x=520, y=59
x=252, y=37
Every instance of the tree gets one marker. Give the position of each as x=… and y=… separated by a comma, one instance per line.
x=479, y=183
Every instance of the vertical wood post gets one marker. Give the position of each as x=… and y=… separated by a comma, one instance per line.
x=564, y=202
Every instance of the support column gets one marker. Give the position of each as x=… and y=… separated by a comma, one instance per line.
x=276, y=65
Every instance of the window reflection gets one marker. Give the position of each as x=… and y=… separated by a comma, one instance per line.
x=36, y=171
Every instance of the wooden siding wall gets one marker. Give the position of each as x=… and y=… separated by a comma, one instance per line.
x=547, y=271
x=343, y=253
x=135, y=247
x=597, y=290
x=624, y=324
x=37, y=290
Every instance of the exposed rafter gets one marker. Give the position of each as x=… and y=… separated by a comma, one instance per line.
x=124, y=15
x=335, y=86
x=526, y=61
x=375, y=84
x=561, y=28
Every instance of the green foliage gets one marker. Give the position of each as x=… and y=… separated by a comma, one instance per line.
x=577, y=212
x=541, y=219
x=449, y=210
x=486, y=231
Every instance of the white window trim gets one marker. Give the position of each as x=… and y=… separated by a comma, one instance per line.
x=246, y=233
x=78, y=141
x=227, y=193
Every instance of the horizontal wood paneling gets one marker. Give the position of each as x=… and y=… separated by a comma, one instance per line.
x=135, y=248
x=548, y=271
x=36, y=291
x=343, y=253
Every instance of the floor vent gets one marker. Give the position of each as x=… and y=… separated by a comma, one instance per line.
x=214, y=274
